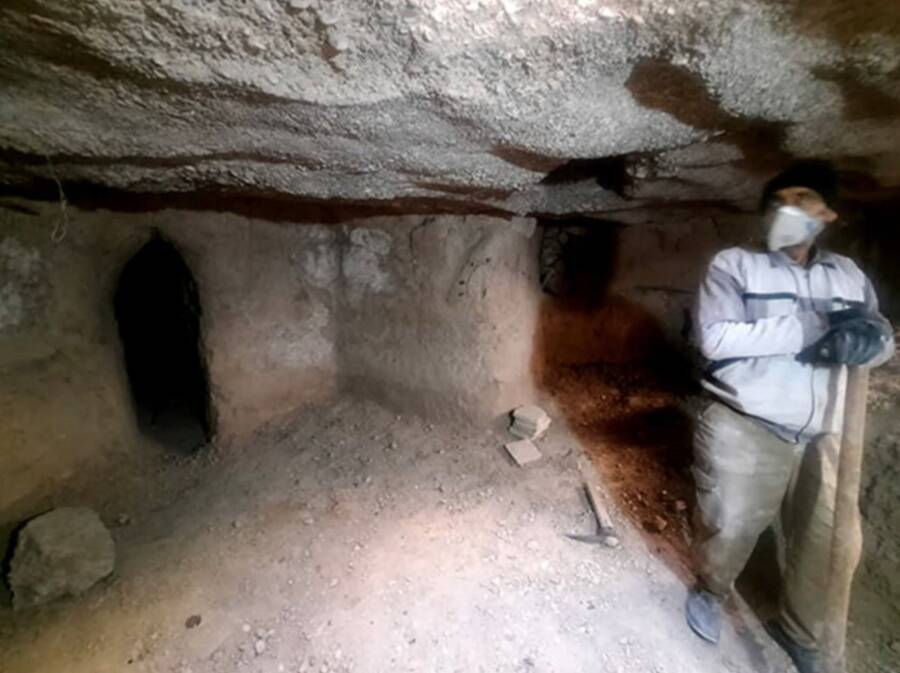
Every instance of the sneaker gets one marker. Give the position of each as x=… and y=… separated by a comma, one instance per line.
x=805, y=659
x=703, y=611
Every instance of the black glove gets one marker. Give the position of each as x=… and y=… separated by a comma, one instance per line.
x=854, y=341
x=835, y=318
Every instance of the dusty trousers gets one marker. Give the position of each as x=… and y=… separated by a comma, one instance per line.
x=746, y=477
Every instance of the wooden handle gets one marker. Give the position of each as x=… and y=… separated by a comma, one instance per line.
x=846, y=513
x=604, y=522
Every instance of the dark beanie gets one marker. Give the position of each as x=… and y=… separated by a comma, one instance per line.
x=813, y=174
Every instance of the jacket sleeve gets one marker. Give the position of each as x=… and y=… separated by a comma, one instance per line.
x=723, y=330
x=871, y=304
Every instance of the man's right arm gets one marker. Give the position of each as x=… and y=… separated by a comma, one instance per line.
x=723, y=330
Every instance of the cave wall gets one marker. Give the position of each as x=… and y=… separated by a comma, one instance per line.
x=430, y=314
x=268, y=328
x=65, y=403
x=64, y=400
x=438, y=314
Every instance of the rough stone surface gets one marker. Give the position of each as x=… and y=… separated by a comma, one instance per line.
x=438, y=313
x=61, y=553
x=21, y=291
x=433, y=314
x=457, y=103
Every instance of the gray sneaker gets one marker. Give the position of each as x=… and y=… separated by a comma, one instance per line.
x=704, y=614
x=805, y=659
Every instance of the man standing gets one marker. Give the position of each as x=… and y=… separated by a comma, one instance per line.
x=777, y=325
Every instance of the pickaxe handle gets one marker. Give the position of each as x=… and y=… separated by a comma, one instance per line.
x=846, y=513
x=604, y=522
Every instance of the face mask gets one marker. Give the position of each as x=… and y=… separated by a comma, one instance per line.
x=789, y=226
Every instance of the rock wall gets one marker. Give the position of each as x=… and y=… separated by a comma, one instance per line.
x=439, y=313
x=63, y=395
x=432, y=314
x=65, y=403
x=269, y=330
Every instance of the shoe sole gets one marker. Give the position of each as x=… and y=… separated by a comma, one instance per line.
x=709, y=638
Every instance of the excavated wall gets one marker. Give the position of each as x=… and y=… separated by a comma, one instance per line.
x=63, y=394
x=438, y=314
x=432, y=314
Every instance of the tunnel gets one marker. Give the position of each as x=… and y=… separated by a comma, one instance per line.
x=158, y=314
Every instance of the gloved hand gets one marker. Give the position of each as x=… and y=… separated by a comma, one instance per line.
x=835, y=318
x=852, y=340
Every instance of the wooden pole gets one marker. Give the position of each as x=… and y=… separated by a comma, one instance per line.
x=846, y=514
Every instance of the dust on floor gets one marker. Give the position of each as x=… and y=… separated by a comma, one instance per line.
x=352, y=539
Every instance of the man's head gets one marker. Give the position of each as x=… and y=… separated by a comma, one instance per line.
x=796, y=206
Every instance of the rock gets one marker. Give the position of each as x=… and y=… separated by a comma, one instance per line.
x=523, y=452
x=193, y=621
x=680, y=505
x=529, y=422
x=259, y=646
x=657, y=524
x=61, y=553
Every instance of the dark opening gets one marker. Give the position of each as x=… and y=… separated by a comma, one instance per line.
x=609, y=172
x=158, y=312
x=577, y=257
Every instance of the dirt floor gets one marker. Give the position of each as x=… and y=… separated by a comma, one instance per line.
x=352, y=539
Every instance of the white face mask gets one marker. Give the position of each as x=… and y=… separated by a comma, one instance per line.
x=789, y=225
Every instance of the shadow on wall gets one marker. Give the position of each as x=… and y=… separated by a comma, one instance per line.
x=158, y=313
x=871, y=237
x=582, y=321
x=610, y=368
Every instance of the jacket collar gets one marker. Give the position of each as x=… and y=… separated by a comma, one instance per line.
x=818, y=256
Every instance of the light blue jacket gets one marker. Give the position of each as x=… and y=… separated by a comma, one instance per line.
x=755, y=312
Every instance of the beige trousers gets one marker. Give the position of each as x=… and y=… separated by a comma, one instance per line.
x=746, y=476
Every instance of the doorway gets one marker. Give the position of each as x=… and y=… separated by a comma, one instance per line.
x=158, y=313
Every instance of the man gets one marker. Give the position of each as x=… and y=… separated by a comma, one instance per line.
x=777, y=326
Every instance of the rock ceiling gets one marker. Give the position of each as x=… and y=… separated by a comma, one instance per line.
x=519, y=106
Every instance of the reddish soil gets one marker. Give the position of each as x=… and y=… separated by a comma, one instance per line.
x=632, y=422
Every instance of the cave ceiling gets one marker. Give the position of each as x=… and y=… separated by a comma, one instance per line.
x=551, y=107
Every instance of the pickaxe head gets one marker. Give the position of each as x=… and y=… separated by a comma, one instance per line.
x=605, y=539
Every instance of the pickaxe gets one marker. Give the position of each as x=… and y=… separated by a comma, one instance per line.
x=606, y=534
